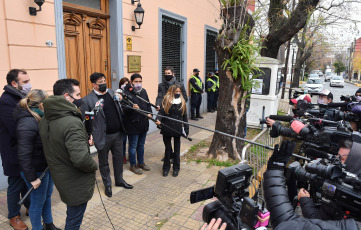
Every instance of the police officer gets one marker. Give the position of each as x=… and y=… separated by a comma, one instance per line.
x=197, y=88
x=211, y=87
x=216, y=95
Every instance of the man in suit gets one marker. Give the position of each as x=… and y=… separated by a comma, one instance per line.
x=108, y=131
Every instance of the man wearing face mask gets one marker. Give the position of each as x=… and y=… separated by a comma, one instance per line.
x=137, y=126
x=108, y=131
x=163, y=87
x=18, y=85
x=66, y=149
x=358, y=95
x=325, y=98
x=197, y=88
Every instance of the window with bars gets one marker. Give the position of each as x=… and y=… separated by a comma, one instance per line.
x=211, y=58
x=172, y=46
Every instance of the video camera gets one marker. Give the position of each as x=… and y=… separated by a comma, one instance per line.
x=234, y=205
x=330, y=185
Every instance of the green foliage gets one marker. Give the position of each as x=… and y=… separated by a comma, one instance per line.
x=242, y=62
x=226, y=3
x=339, y=67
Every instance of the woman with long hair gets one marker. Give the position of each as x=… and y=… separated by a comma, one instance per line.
x=32, y=160
x=173, y=106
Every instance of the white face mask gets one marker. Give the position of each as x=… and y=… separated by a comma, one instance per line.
x=358, y=98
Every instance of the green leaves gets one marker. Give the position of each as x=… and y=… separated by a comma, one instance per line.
x=242, y=62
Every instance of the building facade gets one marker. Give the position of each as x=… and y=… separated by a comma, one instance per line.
x=74, y=38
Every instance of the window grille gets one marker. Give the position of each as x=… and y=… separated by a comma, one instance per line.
x=172, y=46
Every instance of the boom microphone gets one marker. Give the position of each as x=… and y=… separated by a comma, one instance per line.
x=335, y=105
x=281, y=118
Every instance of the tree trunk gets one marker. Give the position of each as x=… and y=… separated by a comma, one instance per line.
x=231, y=114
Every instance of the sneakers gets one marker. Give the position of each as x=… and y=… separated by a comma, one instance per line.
x=199, y=117
x=135, y=170
x=175, y=173
x=165, y=173
x=144, y=167
x=17, y=223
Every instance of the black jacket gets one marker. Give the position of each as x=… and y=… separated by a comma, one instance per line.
x=135, y=123
x=163, y=88
x=175, y=113
x=30, y=148
x=8, y=144
x=99, y=121
x=283, y=215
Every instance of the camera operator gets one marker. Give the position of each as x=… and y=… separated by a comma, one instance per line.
x=326, y=97
x=358, y=95
x=283, y=215
x=350, y=155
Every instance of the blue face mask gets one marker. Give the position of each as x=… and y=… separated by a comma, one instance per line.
x=358, y=98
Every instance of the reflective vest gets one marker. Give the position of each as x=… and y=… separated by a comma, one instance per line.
x=217, y=81
x=198, y=82
x=214, y=86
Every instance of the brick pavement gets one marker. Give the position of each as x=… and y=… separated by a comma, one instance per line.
x=156, y=202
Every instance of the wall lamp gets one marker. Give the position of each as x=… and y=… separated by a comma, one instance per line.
x=32, y=10
x=139, y=15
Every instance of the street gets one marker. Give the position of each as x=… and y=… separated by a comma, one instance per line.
x=349, y=89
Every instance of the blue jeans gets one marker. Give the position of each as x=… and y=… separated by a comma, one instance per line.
x=17, y=188
x=136, y=144
x=40, y=201
x=74, y=216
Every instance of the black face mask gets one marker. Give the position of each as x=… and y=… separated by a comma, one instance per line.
x=77, y=102
x=177, y=95
x=197, y=74
x=168, y=77
x=102, y=87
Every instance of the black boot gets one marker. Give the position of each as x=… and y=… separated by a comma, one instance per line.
x=199, y=116
x=50, y=226
x=193, y=117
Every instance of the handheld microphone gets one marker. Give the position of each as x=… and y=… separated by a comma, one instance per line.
x=98, y=105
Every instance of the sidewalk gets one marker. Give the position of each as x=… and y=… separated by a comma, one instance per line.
x=155, y=202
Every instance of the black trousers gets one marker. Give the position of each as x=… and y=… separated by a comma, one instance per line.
x=210, y=101
x=216, y=95
x=114, y=143
x=196, y=101
x=168, y=151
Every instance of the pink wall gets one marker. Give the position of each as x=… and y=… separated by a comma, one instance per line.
x=22, y=42
x=146, y=41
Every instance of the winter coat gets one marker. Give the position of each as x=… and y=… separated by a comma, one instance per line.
x=163, y=88
x=66, y=149
x=283, y=215
x=176, y=113
x=30, y=148
x=8, y=144
x=135, y=123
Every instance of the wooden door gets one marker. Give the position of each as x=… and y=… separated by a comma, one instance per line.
x=86, y=36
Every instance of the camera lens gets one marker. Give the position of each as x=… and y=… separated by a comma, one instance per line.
x=328, y=172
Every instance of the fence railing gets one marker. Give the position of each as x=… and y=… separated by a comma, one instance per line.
x=257, y=157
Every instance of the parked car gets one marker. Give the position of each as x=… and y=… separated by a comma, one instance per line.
x=328, y=76
x=337, y=81
x=313, y=85
x=313, y=75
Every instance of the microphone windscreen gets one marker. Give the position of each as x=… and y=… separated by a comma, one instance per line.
x=281, y=118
